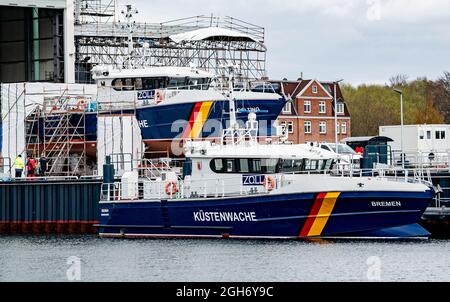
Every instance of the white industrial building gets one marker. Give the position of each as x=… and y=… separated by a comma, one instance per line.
x=418, y=138
x=37, y=41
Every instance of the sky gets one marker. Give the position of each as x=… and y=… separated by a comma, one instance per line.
x=360, y=41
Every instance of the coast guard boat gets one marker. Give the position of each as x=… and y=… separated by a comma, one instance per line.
x=179, y=103
x=243, y=189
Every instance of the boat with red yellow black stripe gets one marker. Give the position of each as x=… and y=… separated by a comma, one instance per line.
x=243, y=189
x=173, y=104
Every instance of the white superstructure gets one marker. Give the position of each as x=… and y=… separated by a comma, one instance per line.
x=168, y=85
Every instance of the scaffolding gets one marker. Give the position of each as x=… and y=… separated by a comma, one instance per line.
x=95, y=11
x=57, y=132
x=100, y=42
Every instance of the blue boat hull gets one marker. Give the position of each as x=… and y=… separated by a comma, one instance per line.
x=270, y=216
x=171, y=121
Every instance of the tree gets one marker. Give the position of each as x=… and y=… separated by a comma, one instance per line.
x=372, y=106
x=399, y=80
x=439, y=92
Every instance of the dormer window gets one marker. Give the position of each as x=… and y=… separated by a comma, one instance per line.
x=314, y=89
x=287, y=108
x=340, y=108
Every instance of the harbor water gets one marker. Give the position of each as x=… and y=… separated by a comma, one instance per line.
x=88, y=258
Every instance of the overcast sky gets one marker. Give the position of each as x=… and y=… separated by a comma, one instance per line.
x=361, y=41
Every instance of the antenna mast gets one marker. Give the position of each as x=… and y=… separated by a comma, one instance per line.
x=130, y=26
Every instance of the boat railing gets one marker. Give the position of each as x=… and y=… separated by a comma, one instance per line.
x=122, y=162
x=148, y=189
x=420, y=159
x=203, y=86
x=111, y=192
x=155, y=187
x=153, y=169
x=390, y=173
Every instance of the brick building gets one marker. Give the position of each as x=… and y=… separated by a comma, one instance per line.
x=309, y=116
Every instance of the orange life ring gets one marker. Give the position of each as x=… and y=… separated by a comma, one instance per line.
x=81, y=104
x=171, y=188
x=269, y=183
x=159, y=96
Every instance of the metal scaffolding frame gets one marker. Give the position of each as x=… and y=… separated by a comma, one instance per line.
x=106, y=43
x=57, y=131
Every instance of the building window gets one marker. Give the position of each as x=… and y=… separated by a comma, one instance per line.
x=287, y=108
x=283, y=127
x=322, y=107
x=307, y=107
x=307, y=126
x=344, y=128
x=340, y=108
x=323, y=127
x=337, y=128
x=290, y=127
x=314, y=89
x=440, y=134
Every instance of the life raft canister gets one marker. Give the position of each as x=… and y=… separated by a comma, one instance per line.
x=171, y=188
x=269, y=183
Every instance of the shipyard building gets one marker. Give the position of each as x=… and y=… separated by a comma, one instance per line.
x=49, y=98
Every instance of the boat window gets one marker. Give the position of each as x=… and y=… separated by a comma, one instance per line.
x=148, y=84
x=311, y=165
x=256, y=166
x=117, y=84
x=325, y=148
x=198, y=83
x=243, y=165
x=328, y=165
x=125, y=84
x=138, y=83
x=292, y=166
x=322, y=165
x=230, y=166
x=154, y=83
x=217, y=165
x=128, y=84
x=177, y=82
x=287, y=166
x=269, y=165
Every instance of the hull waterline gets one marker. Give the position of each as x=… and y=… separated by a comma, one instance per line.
x=294, y=216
